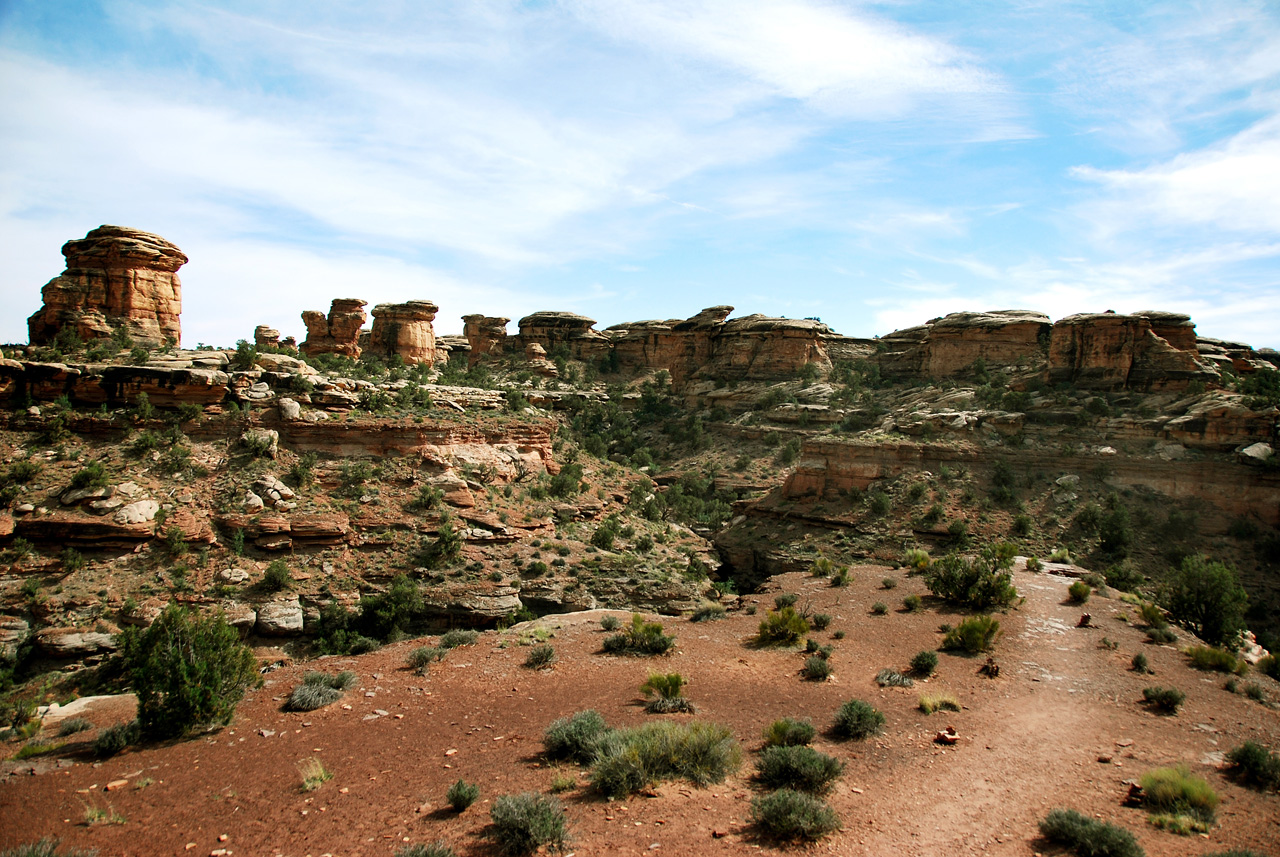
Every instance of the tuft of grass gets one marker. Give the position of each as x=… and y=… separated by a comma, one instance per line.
x=576, y=737
x=314, y=774
x=782, y=627
x=1217, y=660
x=1177, y=791
x=785, y=599
x=1088, y=837
x=562, y=783
x=422, y=656
x=1162, y=635
x=816, y=668
x=912, y=603
x=641, y=638
x=94, y=815
x=522, y=823
x=1168, y=699
x=973, y=635
x=540, y=656
x=788, y=732
x=857, y=720
x=1255, y=765
x=801, y=768
x=889, y=582
x=38, y=748
x=458, y=637
x=889, y=677
x=462, y=794
x=73, y=725
x=789, y=815
x=924, y=663
x=439, y=848
x=930, y=703
x=665, y=688
x=318, y=690
x=45, y=848
x=628, y=760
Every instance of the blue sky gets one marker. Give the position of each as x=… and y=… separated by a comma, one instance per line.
x=871, y=164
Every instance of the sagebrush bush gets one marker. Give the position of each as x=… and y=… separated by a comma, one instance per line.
x=422, y=656
x=432, y=849
x=785, y=599
x=610, y=623
x=1140, y=665
x=791, y=815
x=708, y=612
x=540, y=656
x=973, y=635
x=189, y=671
x=889, y=677
x=1164, y=698
x=801, y=768
x=912, y=603
x=816, y=668
x=631, y=759
x=641, y=638
x=1079, y=592
x=462, y=794
x=857, y=720
x=1176, y=790
x=524, y=822
x=782, y=627
x=1255, y=765
x=820, y=621
x=924, y=663
x=458, y=637
x=114, y=739
x=1219, y=660
x=788, y=732
x=576, y=737
x=1089, y=837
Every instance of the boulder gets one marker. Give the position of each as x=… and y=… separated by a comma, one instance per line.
x=116, y=279
x=405, y=330
x=1256, y=454
x=138, y=512
x=289, y=410
x=233, y=575
x=279, y=618
x=73, y=643
x=338, y=333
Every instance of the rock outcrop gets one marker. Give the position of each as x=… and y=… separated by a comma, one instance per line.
x=116, y=279
x=404, y=330
x=951, y=345
x=487, y=336
x=1146, y=351
x=554, y=330
x=337, y=333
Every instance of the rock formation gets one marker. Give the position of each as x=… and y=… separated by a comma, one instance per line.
x=951, y=345
x=116, y=279
x=405, y=330
x=487, y=335
x=1146, y=351
x=553, y=330
x=339, y=333
x=266, y=337
x=535, y=357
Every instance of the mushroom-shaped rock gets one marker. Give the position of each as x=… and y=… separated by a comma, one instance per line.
x=405, y=331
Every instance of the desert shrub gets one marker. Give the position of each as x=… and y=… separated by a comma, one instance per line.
x=630, y=759
x=1269, y=666
x=72, y=560
x=1060, y=555
x=666, y=692
x=785, y=599
x=878, y=502
x=889, y=582
x=857, y=719
x=524, y=822
x=462, y=794
x=92, y=475
x=1140, y=665
x=880, y=609
x=1034, y=564
x=820, y=621
x=708, y=612
x=1168, y=699
x=1217, y=660
x=610, y=623
x=840, y=579
x=73, y=725
x=540, y=656
x=277, y=576
x=458, y=637
x=443, y=550
x=938, y=702
x=576, y=737
x=973, y=635
x=816, y=668
x=1255, y=765
x=114, y=739
x=1089, y=837
x=782, y=627
x=309, y=697
x=888, y=677
x=912, y=603
x=788, y=732
x=45, y=848
x=801, y=768
x=188, y=671
x=422, y=656
x=1205, y=598
x=924, y=663
x=1079, y=592
x=1162, y=635
x=641, y=638
x=981, y=583
x=1151, y=615
x=791, y=815
x=1022, y=526
x=1175, y=790
x=434, y=849
x=916, y=559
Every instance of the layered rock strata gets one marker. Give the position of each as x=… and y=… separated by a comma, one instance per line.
x=1146, y=351
x=951, y=345
x=117, y=279
x=487, y=336
x=336, y=333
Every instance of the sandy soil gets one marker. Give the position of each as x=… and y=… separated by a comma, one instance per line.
x=1031, y=740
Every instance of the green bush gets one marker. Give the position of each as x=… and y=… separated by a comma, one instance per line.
x=1162, y=635
x=524, y=822
x=1269, y=666
x=1205, y=598
x=1164, y=698
x=880, y=609
x=857, y=720
x=277, y=576
x=458, y=637
x=820, y=621
x=1079, y=592
x=642, y=638
x=1140, y=665
x=786, y=599
x=788, y=732
x=1151, y=615
x=188, y=671
x=1255, y=765
x=666, y=690
x=1217, y=660
x=628, y=760
x=981, y=583
x=422, y=656
x=801, y=768
x=610, y=623
x=1088, y=837
x=924, y=663
x=576, y=737
x=782, y=627
x=92, y=475
x=707, y=612
x=73, y=725
x=461, y=795
x=912, y=603
x=1175, y=790
x=443, y=550
x=917, y=560
x=816, y=668
x=540, y=656
x=973, y=635
x=791, y=815
x=114, y=739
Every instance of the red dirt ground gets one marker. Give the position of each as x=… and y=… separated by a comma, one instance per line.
x=1031, y=740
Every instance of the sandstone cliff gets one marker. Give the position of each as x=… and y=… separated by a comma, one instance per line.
x=405, y=331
